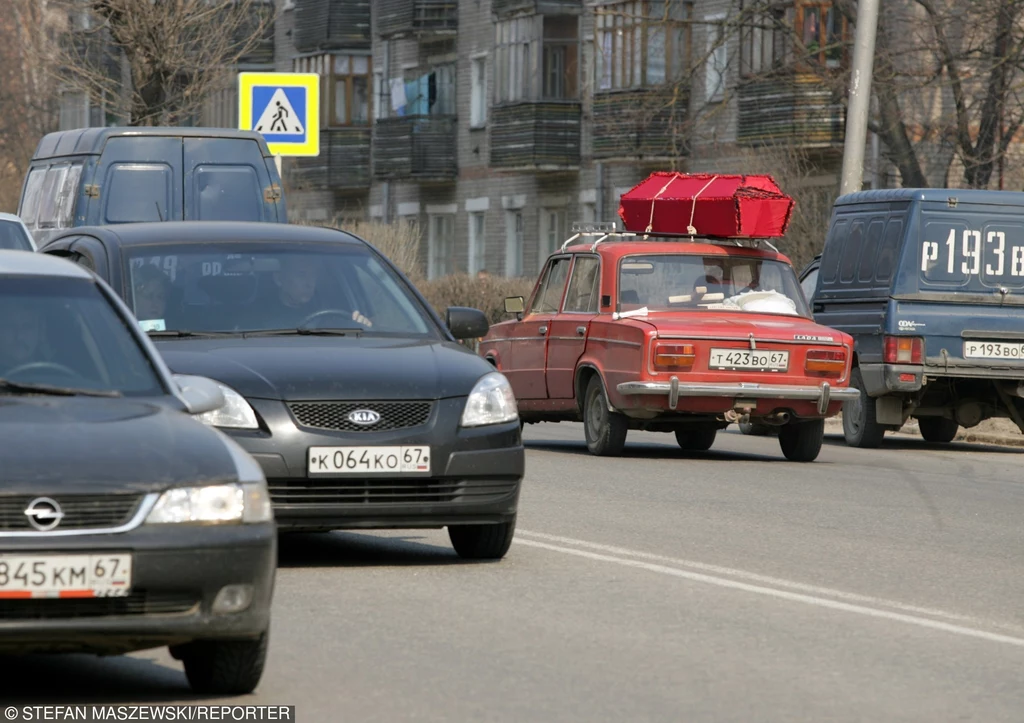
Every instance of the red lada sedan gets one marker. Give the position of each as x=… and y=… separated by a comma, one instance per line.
x=673, y=335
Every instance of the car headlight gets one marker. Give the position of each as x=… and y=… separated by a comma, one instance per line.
x=223, y=503
x=235, y=414
x=490, y=402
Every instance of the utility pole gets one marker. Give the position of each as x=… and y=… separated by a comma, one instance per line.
x=860, y=96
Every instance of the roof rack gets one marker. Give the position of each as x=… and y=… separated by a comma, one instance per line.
x=603, y=231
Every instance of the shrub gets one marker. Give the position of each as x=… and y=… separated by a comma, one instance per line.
x=400, y=241
x=486, y=294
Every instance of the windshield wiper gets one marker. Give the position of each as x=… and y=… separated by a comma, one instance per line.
x=182, y=333
x=6, y=385
x=308, y=331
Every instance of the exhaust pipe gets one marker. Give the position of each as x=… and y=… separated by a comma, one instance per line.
x=732, y=416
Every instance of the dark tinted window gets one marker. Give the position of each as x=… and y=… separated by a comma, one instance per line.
x=13, y=236
x=64, y=332
x=834, y=250
x=237, y=287
x=138, y=192
x=227, y=193
x=851, y=252
x=867, y=257
x=890, y=249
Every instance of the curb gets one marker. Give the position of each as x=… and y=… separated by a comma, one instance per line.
x=835, y=425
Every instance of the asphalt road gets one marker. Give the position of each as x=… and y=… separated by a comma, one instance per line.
x=732, y=585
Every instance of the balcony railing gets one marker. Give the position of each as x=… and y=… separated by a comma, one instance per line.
x=332, y=25
x=420, y=147
x=536, y=135
x=542, y=7
x=641, y=124
x=794, y=109
x=417, y=17
x=343, y=163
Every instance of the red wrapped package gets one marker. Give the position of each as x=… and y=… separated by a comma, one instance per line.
x=704, y=204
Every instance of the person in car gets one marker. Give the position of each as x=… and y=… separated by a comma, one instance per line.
x=151, y=287
x=297, y=282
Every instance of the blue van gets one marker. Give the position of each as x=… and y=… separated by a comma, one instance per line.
x=99, y=176
x=930, y=284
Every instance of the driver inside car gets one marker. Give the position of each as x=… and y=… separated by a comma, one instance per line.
x=297, y=282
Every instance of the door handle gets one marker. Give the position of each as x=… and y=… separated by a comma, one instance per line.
x=818, y=307
x=542, y=330
x=581, y=330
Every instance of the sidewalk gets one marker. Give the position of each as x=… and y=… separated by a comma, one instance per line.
x=1001, y=432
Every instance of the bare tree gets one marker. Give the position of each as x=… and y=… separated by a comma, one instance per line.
x=174, y=51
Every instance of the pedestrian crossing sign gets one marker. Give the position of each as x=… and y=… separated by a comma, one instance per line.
x=285, y=108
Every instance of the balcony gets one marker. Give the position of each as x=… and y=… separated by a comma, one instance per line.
x=417, y=17
x=536, y=136
x=343, y=163
x=799, y=110
x=332, y=25
x=641, y=124
x=420, y=147
x=537, y=7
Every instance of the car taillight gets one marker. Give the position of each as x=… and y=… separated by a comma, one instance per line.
x=825, y=361
x=904, y=350
x=673, y=357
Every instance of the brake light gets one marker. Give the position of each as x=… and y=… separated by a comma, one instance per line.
x=904, y=350
x=825, y=361
x=674, y=357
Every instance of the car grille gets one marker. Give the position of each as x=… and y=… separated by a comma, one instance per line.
x=332, y=415
x=139, y=602
x=81, y=512
x=389, y=491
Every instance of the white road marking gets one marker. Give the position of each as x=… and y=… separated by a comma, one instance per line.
x=774, y=592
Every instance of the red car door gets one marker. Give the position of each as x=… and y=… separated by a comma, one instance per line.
x=529, y=346
x=567, y=336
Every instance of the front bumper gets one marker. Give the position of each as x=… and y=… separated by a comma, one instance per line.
x=674, y=389
x=475, y=473
x=177, y=571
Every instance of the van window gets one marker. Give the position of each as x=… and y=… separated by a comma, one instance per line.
x=138, y=192
x=834, y=250
x=49, y=203
x=227, y=193
x=30, y=201
x=852, y=252
x=890, y=248
x=809, y=282
x=867, y=257
x=69, y=195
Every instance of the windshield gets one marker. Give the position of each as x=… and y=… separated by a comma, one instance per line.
x=688, y=281
x=13, y=237
x=63, y=332
x=237, y=287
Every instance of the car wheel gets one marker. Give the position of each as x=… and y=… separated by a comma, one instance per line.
x=801, y=441
x=605, y=431
x=224, y=667
x=482, y=542
x=938, y=429
x=860, y=427
x=755, y=430
x=696, y=439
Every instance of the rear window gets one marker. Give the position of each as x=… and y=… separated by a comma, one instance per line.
x=971, y=252
x=227, y=193
x=138, y=192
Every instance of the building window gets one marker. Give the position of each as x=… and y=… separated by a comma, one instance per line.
x=514, y=243
x=589, y=212
x=74, y=110
x=822, y=31
x=441, y=245
x=423, y=93
x=513, y=61
x=344, y=87
x=536, y=57
x=717, y=58
x=477, y=242
x=813, y=35
x=642, y=43
x=560, y=60
x=478, y=93
x=552, y=232
x=765, y=40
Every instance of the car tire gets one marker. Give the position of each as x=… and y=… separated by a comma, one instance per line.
x=482, y=542
x=605, y=431
x=860, y=427
x=224, y=667
x=801, y=441
x=938, y=429
x=696, y=439
x=755, y=430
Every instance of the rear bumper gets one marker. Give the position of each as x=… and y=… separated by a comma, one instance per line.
x=823, y=395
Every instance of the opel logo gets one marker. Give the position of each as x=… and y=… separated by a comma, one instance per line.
x=44, y=514
x=363, y=417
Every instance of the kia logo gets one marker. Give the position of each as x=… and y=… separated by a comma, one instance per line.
x=363, y=417
x=44, y=514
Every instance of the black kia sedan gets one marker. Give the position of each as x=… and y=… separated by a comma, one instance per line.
x=125, y=524
x=354, y=396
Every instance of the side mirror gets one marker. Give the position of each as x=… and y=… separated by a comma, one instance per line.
x=201, y=394
x=515, y=304
x=466, y=323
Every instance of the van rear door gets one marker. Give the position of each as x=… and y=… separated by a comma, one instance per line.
x=227, y=179
x=136, y=180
